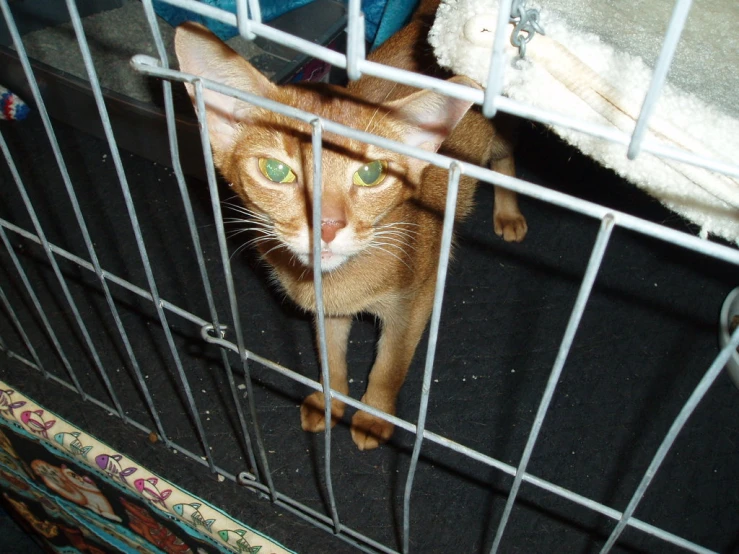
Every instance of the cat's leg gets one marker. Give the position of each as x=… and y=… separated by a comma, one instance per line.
x=508, y=221
x=312, y=414
x=402, y=328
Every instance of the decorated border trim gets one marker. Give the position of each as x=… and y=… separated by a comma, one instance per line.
x=196, y=514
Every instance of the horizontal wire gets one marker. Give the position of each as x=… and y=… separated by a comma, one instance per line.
x=400, y=423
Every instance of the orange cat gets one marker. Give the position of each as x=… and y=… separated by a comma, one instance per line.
x=381, y=212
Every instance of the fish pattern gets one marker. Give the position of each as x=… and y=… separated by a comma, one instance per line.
x=71, y=443
x=191, y=512
x=149, y=490
x=111, y=465
x=35, y=422
x=7, y=406
x=201, y=517
x=237, y=539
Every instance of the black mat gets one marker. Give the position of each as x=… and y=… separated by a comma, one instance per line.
x=648, y=335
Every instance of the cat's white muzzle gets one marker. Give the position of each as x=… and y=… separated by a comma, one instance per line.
x=333, y=254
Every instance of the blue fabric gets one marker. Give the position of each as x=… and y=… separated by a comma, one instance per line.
x=382, y=17
x=270, y=10
x=393, y=15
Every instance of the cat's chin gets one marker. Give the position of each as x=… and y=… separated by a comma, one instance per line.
x=329, y=261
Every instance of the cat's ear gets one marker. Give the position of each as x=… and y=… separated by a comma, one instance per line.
x=431, y=115
x=201, y=53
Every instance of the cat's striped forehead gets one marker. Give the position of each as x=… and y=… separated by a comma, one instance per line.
x=337, y=105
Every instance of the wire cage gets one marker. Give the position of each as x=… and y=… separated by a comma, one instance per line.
x=128, y=298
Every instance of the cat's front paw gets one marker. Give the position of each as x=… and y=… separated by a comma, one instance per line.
x=369, y=432
x=512, y=227
x=313, y=415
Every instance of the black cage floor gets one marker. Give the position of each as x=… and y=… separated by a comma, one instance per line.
x=648, y=335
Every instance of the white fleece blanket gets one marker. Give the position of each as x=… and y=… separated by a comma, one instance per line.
x=604, y=77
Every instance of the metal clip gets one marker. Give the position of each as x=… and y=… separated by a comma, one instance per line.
x=210, y=335
x=527, y=25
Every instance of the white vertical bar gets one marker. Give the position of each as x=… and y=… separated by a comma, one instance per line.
x=700, y=391
x=255, y=11
x=494, y=84
x=115, y=155
x=231, y=289
x=32, y=214
x=242, y=18
x=675, y=29
x=596, y=258
x=41, y=313
x=21, y=331
x=41, y=107
x=455, y=172
x=317, y=143
x=197, y=248
x=355, y=40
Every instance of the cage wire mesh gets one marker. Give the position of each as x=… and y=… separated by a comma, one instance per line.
x=93, y=302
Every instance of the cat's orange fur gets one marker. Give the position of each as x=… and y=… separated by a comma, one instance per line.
x=380, y=244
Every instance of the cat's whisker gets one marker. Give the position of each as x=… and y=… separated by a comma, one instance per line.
x=235, y=252
x=379, y=246
x=265, y=230
x=395, y=256
x=395, y=245
x=254, y=242
x=246, y=211
x=395, y=233
x=260, y=240
x=399, y=227
x=277, y=247
x=252, y=226
x=400, y=224
x=398, y=245
x=396, y=238
x=232, y=234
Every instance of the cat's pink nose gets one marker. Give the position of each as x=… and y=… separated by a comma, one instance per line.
x=329, y=228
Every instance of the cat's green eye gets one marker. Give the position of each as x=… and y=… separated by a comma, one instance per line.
x=370, y=174
x=276, y=171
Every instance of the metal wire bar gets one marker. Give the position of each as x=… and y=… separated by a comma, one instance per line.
x=32, y=213
x=455, y=172
x=21, y=332
x=189, y=215
x=265, y=31
x=231, y=289
x=243, y=20
x=355, y=41
x=317, y=145
x=504, y=104
x=611, y=134
x=494, y=85
x=596, y=258
x=421, y=432
x=30, y=290
x=324, y=522
x=672, y=37
x=687, y=410
x=148, y=66
x=144, y=429
x=400, y=423
x=115, y=154
x=41, y=107
x=42, y=315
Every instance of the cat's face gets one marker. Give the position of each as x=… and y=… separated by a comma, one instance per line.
x=271, y=167
x=268, y=158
